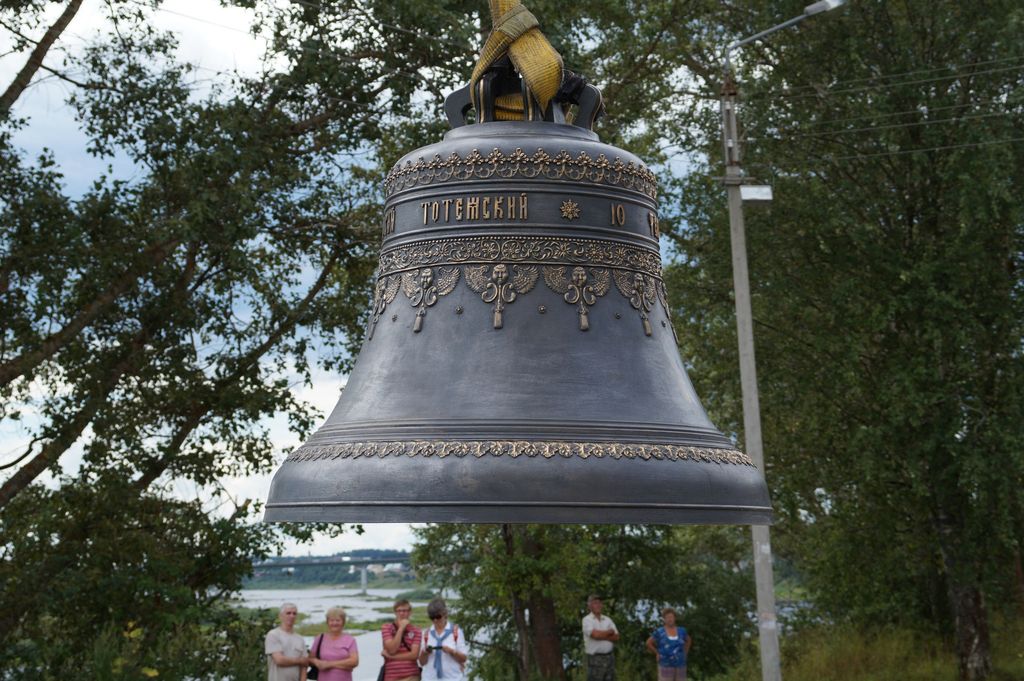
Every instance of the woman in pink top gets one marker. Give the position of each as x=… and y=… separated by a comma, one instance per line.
x=335, y=653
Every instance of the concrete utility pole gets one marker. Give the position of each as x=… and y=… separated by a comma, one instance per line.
x=737, y=191
x=767, y=624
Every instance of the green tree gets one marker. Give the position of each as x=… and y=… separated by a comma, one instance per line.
x=522, y=591
x=135, y=581
x=887, y=302
x=173, y=304
x=153, y=322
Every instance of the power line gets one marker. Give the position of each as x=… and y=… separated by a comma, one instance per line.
x=307, y=50
x=353, y=60
x=873, y=128
x=313, y=5
x=819, y=90
x=886, y=86
x=365, y=105
x=193, y=18
x=901, y=152
x=461, y=46
x=905, y=73
x=919, y=110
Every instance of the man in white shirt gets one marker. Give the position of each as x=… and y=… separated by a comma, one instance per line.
x=599, y=637
x=286, y=651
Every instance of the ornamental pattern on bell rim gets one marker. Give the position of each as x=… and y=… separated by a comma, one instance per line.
x=518, y=164
x=540, y=250
x=517, y=448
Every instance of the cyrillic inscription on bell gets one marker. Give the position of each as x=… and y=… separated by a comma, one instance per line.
x=531, y=373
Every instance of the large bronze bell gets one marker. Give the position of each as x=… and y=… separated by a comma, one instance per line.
x=520, y=363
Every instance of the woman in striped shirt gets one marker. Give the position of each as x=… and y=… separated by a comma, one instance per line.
x=401, y=645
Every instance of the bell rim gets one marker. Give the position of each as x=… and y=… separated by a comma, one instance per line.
x=505, y=486
x=570, y=513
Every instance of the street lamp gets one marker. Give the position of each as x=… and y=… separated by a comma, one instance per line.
x=809, y=11
x=737, y=192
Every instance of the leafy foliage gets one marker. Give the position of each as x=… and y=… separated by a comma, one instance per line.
x=886, y=293
x=637, y=570
x=153, y=323
x=135, y=581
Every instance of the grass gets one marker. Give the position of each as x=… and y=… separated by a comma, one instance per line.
x=790, y=590
x=845, y=653
x=423, y=593
x=308, y=628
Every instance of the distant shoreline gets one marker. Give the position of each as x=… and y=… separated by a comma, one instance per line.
x=281, y=585
x=277, y=586
x=414, y=591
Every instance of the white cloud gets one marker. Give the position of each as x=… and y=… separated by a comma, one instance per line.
x=323, y=395
x=212, y=36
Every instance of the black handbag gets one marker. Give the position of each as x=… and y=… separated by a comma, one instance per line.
x=314, y=671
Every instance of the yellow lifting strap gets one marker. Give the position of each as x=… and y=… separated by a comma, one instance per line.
x=515, y=33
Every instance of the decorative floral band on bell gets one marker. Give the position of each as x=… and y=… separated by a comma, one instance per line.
x=517, y=448
x=502, y=284
x=539, y=250
x=519, y=164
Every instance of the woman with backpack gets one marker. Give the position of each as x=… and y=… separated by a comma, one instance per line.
x=443, y=651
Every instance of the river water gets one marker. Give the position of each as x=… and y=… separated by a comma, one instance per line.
x=314, y=604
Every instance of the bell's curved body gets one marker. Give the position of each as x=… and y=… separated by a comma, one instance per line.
x=520, y=363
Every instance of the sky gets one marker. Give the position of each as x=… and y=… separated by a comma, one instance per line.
x=215, y=39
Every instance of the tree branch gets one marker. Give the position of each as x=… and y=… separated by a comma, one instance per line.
x=69, y=433
x=130, y=362
x=77, y=83
x=29, y=359
x=35, y=59
x=193, y=418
